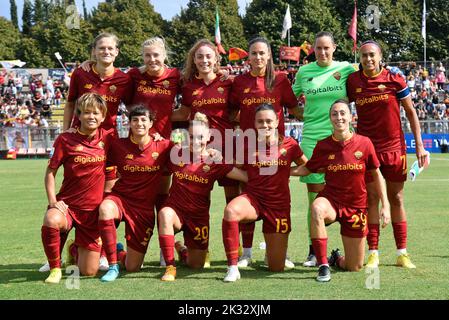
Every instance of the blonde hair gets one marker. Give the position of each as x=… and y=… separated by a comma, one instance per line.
x=155, y=41
x=89, y=102
x=201, y=117
x=190, y=69
x=101, y=36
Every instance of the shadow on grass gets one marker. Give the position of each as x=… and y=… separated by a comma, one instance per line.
x=18, y=273
x=257, y=271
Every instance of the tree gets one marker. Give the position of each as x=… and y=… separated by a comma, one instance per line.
x=438, y=22
x=85, y=14
x=38, y=11
x=265, y=18
x=9, y=41
x=132, y=21
x=27, y=16
x=198, y=21
x=13, y=10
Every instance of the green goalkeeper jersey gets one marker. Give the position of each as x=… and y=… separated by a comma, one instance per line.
x=321, y=87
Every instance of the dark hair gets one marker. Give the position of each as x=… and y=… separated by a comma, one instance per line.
x=269, y=73
x=372, y=42
x=325, y=34
x=141, y=110
x=265, y=107
x=343, y=101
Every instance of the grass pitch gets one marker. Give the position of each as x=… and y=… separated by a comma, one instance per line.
x=23, y=203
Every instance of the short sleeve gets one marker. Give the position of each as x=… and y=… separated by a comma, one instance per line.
x=58, y=157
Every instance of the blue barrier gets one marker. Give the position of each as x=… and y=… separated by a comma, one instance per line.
x=433, y=142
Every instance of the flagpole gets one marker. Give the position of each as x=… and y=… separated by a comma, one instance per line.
x=424, y=31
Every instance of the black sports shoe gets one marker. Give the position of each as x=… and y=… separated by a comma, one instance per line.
x=335, y=256
x=324, y=274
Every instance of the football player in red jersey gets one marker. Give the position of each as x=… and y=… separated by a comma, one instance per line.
x=344, y=158
x=261, y=85
x=140, y=162
x=378, y=95
x=83, y=156
x=188, y=204
x=266, y=196
x=103, y=78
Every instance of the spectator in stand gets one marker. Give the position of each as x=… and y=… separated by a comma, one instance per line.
x=440, y=77
x=58, y=96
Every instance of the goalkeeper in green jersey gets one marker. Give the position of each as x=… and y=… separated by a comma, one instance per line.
x=321, y=83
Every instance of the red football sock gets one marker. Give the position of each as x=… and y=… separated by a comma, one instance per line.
x=121, y=256
x=109, y=238
x=320, y=248
x=73, y=249
x=182, y=252
x=51, y=241
x=400, y=234
x=247, y=230
x=63, y=238
x=160, y=200
x=167, y=245
x=230, y=230
x=373, y=236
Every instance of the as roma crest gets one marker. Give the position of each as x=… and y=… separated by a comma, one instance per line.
x=112, y=88
x=166, y=84
x=101, y=144
x=337, y=75
x=220, y=90
x=283, y=152
x=381, y=87
x=206, y=168
x=155, y=155
x=358, y=154
x=79, y=148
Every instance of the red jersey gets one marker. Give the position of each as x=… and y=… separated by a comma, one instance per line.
x=211, y=99
x=158, y=95
x=272, y=188
x=84, y=162
x=344, y=165
x=249, y=91
x=192, y=184
x=140, y=170
x=114, y=89
x=377, y=100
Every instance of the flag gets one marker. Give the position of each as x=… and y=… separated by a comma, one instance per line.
x=353, y=27
x=423, y=28
x=8, y=64
x=237, y=54
x=289, y=53
x=287, y=23
x=58, y=56
x=217, y=33
x=306, y=47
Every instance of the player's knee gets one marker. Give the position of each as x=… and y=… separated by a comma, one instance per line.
x=317, y=212
x=106, y=210
x=396, y=199
x=355, y=267
x=53, y=220
x=165, y=218
x=133, y=267
x=88, y=271
x=195, y=264
x=231, y=214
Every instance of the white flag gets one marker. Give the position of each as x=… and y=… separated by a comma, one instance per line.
x=58, y=56
x=423, y=28
x=287, y=23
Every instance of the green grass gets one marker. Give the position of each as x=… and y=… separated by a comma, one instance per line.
x=23, y=204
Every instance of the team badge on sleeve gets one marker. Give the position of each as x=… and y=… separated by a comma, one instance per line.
x=358, y=154
x=166, y=84
x=337, y=75
x=112, y=88
x=155, y=155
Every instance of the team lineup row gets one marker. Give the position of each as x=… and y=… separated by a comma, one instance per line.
x=219, y=103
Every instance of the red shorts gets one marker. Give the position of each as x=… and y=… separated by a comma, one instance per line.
x=195, y=230
x=353, y=221
x=139, y=222
x=393, y=165
x=274, y=220
x=87, y=234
